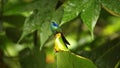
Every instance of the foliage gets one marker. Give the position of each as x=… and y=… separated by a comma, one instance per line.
x=91, y=26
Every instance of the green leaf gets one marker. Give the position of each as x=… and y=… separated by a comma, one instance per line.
x=66, y=59
x=72, y=8
x=31, y=24
x=90, y=14
x=39, y=17
x=58, y=15
x=45, y=33
x=112, y=6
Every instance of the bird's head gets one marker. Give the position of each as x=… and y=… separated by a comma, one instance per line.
x=55, y=27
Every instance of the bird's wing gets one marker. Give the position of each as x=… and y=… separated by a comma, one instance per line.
x=64, y=39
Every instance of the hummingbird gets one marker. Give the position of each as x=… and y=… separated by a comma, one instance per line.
x=60, y=40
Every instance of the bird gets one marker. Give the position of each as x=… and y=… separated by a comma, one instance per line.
x=60, y=40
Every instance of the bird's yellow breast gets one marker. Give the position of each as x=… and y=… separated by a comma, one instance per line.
x=59, y=44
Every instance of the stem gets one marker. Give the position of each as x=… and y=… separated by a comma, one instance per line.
x=36, y=39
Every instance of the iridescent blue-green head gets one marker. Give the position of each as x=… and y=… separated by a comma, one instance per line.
x=55, y=27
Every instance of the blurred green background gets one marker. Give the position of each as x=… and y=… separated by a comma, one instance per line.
x=103, y=50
